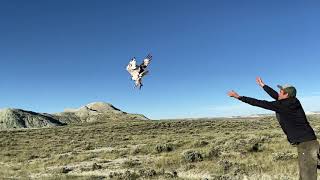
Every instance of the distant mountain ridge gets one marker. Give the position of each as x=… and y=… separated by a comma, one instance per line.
x=312, y=112
x=271, y=114
x=96, y=111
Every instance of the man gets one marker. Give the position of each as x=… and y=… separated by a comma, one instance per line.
x=293, y=122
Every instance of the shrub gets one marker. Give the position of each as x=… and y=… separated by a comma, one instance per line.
x=214, y=152
x=245, y=145
x=66, y=170
x=131, y=163
x=225, y=177
x=170, y=175
x=164, y=148
x=89, y=147
x=225, y=165
x=147, y=173
x=135, y=150
x=283, y=156
x=200, y=143
x=192, y=156
x=125, y=175
x=96, y=166
x=257, y=147
x=187, y=167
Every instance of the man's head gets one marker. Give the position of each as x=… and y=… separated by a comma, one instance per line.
x=287, y=91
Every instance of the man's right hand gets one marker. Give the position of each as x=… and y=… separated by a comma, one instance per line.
x=260, y=82
x=233, y=94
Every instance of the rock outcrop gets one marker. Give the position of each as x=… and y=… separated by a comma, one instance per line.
x=97, y=111
x=94, y=112
x=18, y=118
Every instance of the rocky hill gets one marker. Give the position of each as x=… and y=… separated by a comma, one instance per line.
x=97, y=111
x=18, y=118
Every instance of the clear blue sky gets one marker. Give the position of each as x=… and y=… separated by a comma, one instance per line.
x=56, y=54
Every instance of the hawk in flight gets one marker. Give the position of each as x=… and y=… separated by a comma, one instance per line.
x=137, y=72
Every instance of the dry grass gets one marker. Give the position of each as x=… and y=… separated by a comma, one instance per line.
x=121, y=149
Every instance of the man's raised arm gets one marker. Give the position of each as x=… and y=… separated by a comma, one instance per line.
x=269, y=90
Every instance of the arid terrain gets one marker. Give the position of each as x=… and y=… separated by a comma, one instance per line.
x=235, y=148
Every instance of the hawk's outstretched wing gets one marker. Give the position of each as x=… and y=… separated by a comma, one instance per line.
x=132, y=64
x=133, y=69
x=147, y=60
x=144, y=65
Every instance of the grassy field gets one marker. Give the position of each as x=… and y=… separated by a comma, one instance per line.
x=252, y=148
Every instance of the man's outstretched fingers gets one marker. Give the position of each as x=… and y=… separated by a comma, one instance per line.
x=259, y=81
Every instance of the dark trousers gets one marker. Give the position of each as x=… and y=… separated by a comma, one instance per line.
x=307, y=157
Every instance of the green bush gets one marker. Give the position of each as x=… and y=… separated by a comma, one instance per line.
x=164, y=148
x=192, y=156
x=284, y=156
x=214, y=152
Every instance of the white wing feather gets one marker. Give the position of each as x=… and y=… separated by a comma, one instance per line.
x=133, y=69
